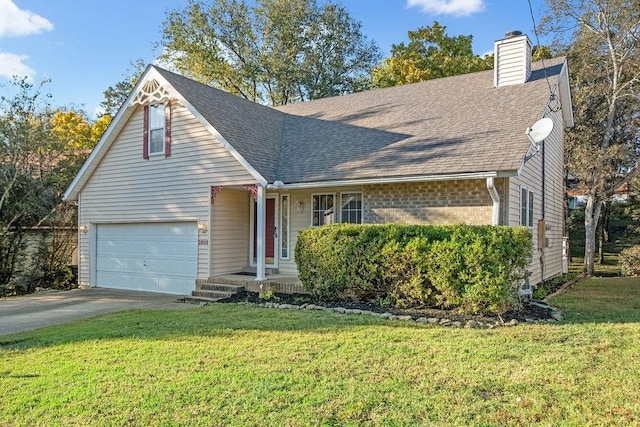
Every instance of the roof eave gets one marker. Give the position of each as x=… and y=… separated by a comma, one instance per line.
x=393, y=180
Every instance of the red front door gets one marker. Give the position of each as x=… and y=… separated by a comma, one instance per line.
x=270, y=228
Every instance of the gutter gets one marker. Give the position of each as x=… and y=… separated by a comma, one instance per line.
x=279, y=185
x=496, y=200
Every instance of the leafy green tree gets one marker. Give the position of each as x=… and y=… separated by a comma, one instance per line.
x=115, y=95
x=602, y=150
x=274, y=52
x=41, y=150
x=430, y=54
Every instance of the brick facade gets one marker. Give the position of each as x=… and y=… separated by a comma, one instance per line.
x=437, y=202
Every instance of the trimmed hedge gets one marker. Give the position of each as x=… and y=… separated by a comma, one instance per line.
x=477, y=269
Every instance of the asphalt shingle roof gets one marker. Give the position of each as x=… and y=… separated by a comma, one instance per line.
x=460, y=124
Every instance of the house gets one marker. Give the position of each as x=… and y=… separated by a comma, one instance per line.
x=189, y=182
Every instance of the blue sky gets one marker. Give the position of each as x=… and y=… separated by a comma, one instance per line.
x=86, y=46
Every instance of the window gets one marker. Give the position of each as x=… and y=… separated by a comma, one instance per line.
x=156, y=129
x=284, y=226
x=526, y=207
x=322, y=211
x=351, y=208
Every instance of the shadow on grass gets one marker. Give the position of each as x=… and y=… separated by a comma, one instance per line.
x=594, y=300
x=216, y=320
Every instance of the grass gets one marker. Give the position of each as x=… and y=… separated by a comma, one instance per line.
x=233, y=365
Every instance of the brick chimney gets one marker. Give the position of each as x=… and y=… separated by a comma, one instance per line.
x=512, y=59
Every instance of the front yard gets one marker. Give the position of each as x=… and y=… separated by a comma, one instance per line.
x=230, y=364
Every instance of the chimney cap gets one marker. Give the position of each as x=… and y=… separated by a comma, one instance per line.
x=514, y=33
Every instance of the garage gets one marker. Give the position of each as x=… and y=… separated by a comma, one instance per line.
x=154, y=257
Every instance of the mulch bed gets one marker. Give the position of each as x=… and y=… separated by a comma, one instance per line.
x=528, y=312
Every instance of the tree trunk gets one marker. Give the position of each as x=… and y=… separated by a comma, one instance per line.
x=591, y=217
x=603, y=230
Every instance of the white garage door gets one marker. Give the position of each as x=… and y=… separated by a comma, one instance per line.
x=156, y=257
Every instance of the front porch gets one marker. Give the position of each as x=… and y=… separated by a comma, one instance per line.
x=226, y=285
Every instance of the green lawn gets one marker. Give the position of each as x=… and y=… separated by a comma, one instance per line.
x=236, y=365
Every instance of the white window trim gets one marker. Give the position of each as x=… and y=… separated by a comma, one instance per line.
x=361, y=205
x=335, y=216
x=287, y=229
x=528, y=221
x=164, y=130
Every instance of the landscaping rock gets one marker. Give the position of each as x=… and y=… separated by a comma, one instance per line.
x=386, y=315
x=557, y=315
x=433, y=320
x=512, y=322
x=422, y=320
x=445, y=322
x=456, y=324
x=471, y=324
x=405, y=318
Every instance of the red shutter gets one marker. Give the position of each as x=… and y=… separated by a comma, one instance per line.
x=167, y=130
x=145, y=139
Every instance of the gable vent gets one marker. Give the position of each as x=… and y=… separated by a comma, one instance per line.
x=512, y=56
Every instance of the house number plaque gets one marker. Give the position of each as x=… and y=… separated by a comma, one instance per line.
x=203, y=242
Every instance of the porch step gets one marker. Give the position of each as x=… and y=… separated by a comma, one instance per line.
x=212, y=294
x=213, y=291
x=221, y=287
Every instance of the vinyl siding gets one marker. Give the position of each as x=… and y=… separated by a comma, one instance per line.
x=230, y=229
x=514, y=61
x=530, y=176
x=125, y=188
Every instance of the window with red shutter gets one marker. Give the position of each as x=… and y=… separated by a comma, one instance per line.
x=157, y=130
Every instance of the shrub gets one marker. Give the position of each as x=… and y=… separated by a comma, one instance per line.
x=629, y=261
x=474, y=268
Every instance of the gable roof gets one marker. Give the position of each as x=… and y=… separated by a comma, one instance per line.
x=254, y=130
x=454, y=125
x=450, y=126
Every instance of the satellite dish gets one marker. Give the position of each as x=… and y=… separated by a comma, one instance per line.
x=540, y=130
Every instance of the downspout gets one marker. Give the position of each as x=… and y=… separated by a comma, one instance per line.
x=496, y=201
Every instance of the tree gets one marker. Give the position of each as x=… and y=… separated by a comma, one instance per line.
x=41, y=150
x=430, y=54
x=115, y=95
x=275, y=52
x=602, y=150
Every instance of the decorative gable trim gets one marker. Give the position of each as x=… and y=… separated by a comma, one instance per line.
x=151, y=86
x=151, y=92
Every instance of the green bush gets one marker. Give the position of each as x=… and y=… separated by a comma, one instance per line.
x=475, y=268
x=629, y=261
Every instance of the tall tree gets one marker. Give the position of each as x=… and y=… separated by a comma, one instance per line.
x=602, y=150
x=115, y=95
x=41, y=149
x=274, y=52
x=430, y=54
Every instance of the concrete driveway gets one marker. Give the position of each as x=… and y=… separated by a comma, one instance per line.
x=19, y=314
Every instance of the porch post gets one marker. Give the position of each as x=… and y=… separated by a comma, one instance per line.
x=260, y=233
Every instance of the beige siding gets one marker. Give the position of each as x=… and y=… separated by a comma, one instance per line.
x=127, y=188
x=230, y=232
x=530, y=176
x=513, y=59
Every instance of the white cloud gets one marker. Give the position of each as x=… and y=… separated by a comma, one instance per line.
x=18, y=22
x=448, y=7
x=13, y=65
